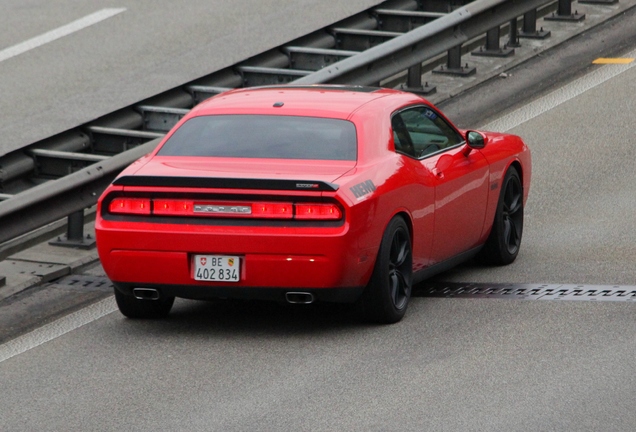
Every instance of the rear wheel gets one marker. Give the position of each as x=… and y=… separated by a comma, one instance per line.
x=386, y=297
x=143, y=309
x=504, y=241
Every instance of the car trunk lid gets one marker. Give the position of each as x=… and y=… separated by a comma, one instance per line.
x=176, y=171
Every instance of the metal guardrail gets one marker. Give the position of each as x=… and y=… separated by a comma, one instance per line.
x=57, y=199
x=411, y=49
x=54, y=200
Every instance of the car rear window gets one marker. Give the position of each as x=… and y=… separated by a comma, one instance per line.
x=264, y=136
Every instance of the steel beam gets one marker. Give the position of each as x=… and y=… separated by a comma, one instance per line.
x=564, y=13
x=159, y=118
x=423, y=43
x=57, y=199
x=202, y=92
x=258, y=76
x=530, y=27
x=493, y=48
x=75, y=233
x=313, y=59
x=513, y=34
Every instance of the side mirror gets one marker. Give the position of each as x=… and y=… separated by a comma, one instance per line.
x=475, y=140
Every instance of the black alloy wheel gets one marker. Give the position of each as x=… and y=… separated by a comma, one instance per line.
x=502, y=246
x=387, y=296
x=399, y=268
x=513, y=214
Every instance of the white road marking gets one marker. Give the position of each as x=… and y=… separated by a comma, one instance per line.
x=59, y=32
x=57, y=328
x=557, y=97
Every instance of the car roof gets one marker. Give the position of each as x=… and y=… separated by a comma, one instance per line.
x=320, y=101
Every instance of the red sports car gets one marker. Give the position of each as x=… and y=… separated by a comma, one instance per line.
x=303, y=194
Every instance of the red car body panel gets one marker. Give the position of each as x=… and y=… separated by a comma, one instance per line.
x=448, y=200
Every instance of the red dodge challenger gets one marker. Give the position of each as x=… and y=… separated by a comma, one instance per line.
x=303, y=194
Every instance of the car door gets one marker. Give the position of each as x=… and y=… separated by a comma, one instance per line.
x=461, y=178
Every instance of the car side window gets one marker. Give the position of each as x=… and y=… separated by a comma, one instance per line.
x=401, y=136
x=420, y=132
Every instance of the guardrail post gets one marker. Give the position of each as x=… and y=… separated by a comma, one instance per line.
x=75, y=233
x=414, y=82
x=414, y=78
x=454, y=64
x=492, y=48
x=513, y=34
x=564, y=13
x=530, y=27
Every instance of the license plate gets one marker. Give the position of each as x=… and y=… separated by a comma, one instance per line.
x=217, y=268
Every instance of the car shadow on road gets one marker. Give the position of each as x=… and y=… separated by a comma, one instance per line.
x=250, y=317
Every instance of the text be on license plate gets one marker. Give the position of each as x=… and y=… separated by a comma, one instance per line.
x=218, y=268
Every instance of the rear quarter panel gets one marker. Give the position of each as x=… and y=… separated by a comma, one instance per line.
x=384, y=184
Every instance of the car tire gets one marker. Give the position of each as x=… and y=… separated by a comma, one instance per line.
x=132, y=307
x=504, y=241
x=387, y=295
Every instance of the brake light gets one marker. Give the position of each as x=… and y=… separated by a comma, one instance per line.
x=273, y=210
x=165, y=207
x=130, y=206
x=318, y=212
x=254, y=210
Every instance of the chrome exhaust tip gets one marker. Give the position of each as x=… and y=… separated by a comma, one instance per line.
x=299, y=297
x=145, y=293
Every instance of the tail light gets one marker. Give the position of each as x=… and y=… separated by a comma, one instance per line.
x=318, y=211
x=272, y=210
x=254, y=210
x=165, y=207
x=138, y=206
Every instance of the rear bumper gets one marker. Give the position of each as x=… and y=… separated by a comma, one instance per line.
x=336, y=295
x=257, y=270
x=326, y=263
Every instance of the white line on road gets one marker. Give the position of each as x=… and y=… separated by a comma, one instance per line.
x=59, y=32
x=557, y=97
x=57, y=328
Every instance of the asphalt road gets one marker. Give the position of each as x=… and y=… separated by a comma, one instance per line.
x=451, y=364
x=148, y=47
